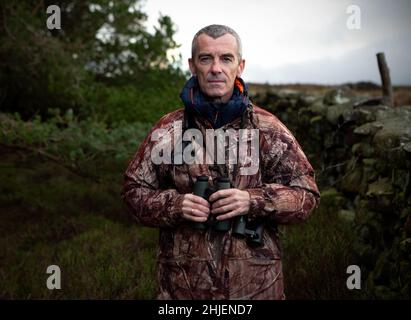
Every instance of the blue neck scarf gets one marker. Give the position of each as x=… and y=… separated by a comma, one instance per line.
x=218, y=114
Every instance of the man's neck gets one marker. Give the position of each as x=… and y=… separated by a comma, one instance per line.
x=218, y=100
x=221, y=100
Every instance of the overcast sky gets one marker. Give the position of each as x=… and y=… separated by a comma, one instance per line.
x=302, y=41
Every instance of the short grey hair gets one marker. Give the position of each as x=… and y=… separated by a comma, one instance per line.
x=215, y=31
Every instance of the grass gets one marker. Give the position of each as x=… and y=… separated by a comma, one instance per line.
x=103, y=261
x=48, y=216
x=316, y=256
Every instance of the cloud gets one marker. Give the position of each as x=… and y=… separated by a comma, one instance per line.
x=289, y=40
x=358, y=65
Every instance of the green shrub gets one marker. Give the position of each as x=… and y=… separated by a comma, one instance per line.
x=115, y=105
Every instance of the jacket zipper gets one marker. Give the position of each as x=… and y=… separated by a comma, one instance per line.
x=216, y=116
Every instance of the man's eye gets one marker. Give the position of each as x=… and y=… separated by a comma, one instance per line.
x=205, y=59
x=227, y=59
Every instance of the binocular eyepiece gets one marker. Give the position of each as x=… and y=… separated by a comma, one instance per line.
x=241, y=228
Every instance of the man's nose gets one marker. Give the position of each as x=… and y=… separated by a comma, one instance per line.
x=216, y=67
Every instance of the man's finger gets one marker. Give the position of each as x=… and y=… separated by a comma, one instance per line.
x=199, y=200
x=194, y=212
x=221, y=202
x=220, y=194
x=201, y=208
x=228, y=215
x=192, y=218
x=224, y=209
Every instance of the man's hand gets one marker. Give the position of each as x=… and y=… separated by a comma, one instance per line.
x=229, y=203
x=195, y=208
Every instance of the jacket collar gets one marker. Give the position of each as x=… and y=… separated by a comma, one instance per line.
x=217, y=114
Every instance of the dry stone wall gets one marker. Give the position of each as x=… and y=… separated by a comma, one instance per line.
x=361, y=151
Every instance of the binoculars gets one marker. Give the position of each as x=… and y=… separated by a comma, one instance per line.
x=253, y=231
x=202, y=189
x=240, y=226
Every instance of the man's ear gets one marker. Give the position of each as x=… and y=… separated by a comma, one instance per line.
x=240, y=68
x=192, y=66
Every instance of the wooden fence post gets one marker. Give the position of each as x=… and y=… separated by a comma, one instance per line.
x=387, y=93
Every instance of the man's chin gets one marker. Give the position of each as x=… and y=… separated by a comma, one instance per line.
x=215, y=94
x=215, y=97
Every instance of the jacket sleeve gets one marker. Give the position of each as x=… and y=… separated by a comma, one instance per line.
x=289, y=192
x=151, y=205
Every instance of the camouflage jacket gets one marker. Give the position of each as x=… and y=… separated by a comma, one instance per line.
x=195, y=264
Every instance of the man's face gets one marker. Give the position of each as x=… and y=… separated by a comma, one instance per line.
x=216, y=66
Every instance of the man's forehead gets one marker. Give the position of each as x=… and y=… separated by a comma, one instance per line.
x=225, y=44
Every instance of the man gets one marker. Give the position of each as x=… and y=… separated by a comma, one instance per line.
x=211, y=264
